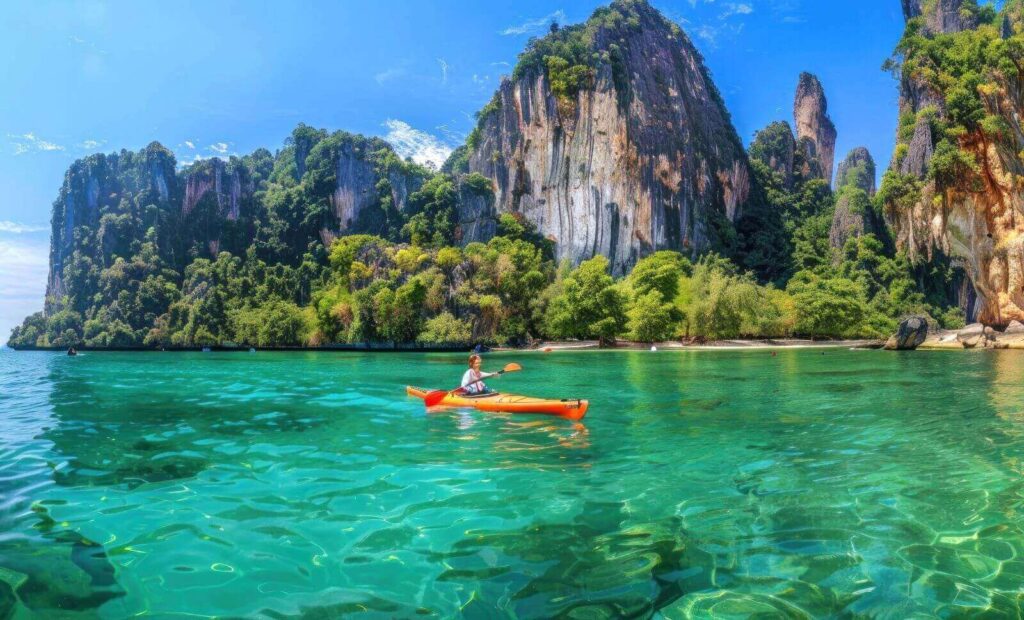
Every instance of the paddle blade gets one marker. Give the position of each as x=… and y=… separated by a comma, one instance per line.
x=512, y=367
x=434, y=398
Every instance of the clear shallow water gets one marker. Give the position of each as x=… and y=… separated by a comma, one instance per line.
x=701, y=484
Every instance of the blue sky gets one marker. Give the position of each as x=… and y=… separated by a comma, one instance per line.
x=216, y=78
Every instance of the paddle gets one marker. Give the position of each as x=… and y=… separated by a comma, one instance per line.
x=436, y=396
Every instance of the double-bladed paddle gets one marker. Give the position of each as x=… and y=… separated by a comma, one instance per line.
x=436, y=396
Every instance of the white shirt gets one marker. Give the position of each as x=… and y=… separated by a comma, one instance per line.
x=471, y=381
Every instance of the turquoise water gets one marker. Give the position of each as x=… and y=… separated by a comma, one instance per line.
x=701, y=484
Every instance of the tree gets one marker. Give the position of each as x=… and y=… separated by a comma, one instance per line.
x=589, y=305
x=828, y=306
x=651, y=318
x=445, y=329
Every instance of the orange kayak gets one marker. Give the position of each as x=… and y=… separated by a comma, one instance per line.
x=572, y=409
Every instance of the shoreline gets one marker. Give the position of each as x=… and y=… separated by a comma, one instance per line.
x=543, y=347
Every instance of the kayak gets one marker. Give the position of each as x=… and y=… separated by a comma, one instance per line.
x=570, y=408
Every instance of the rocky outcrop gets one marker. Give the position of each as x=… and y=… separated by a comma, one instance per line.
x=355, y=187
x=976, y=336
x=972, y=213
x=854, y=215
x=96, y=185
x=814, y=129
x=909, y=335
x=848, y=222
x=477, y=217
x=857, y=170
x=775, y=147
x=641, y=156
x=942, y=16
x=210, y=178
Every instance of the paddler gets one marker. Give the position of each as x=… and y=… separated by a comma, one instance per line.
x=472, y=380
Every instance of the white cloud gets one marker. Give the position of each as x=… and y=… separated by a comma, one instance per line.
x=190, y=144
x=389, y=74
x=23, y=269
x=737, y=9
x=535, y=26
x=7, y=226
x=422, y=147
x=220, y=147
x=187, y=160
x=444, y=70
x=92, y=144
x=30, y=142
x=501, y=63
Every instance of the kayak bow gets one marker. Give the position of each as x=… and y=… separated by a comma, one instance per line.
x=572, y=409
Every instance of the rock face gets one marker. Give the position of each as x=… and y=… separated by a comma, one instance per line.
x=643, y=157
x=225, y=188
x=775, y=147
x=477, y=217
x=96, y=185
x=942, y=16
x=814, y=129
x=854, y=215
x=857, y=170
x=973, y=214
x=909, y=335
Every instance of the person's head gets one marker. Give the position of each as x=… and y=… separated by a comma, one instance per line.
x=474, y=361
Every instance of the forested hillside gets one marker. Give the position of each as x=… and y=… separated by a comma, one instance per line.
x=334, y=238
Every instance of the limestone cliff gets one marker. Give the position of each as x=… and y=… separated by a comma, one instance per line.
x=98, y=193
x=956, y=180
x=621, y=150
x=942, y=16
x=854, y=215
x=858, y=170
x=815, y=132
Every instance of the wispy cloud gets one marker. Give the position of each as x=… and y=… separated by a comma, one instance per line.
x=7, y=226
x=736, y=9
x=80, y=42
x=424, y=148
x=90, y=145
x=220, y=148
x=27, y=142
x=727, y=20
x=444, y=70
x=389, y=74
x=190, y=144
x=535, y=26
x=501, y=63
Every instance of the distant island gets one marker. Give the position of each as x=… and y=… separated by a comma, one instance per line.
x=603, y=194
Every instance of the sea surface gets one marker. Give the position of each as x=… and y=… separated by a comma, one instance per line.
x=725, y=484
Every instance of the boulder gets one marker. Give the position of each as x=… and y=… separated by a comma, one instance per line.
x=971, y=336
x=909, y=335
x=1015, y=327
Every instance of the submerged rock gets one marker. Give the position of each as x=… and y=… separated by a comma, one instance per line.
x=909, y=335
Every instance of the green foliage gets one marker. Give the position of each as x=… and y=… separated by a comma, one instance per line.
x=588, y=306
x=445, y=329
x=718, y=302
x=834, y=307
x=659, y=272
x=275, y=323
x=651, y=318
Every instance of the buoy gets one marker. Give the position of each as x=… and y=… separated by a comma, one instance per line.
x=654, y=348
x=547, y=349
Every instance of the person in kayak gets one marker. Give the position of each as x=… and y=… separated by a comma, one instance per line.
x=472, y=380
